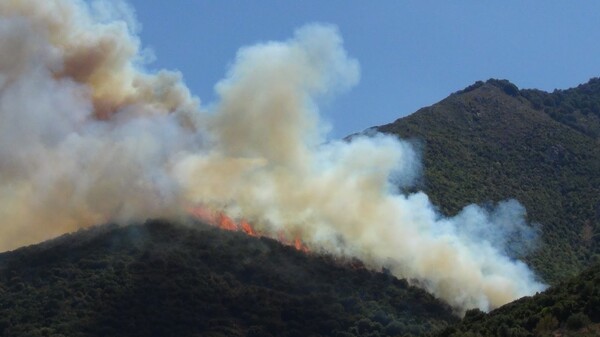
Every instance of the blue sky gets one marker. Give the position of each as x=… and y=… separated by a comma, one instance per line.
x=412, y=53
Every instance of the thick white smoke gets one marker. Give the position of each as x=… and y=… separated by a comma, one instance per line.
x=87, y=136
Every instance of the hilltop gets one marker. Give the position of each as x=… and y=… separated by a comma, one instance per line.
x=492, y=141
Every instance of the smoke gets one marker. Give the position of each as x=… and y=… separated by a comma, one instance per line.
x=88, y=136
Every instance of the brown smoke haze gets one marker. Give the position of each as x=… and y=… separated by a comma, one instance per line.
x=88, y=136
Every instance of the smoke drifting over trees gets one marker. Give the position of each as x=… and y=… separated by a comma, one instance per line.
x=88, y=136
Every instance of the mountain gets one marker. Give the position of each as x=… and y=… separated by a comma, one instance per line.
x=164, y=279
x=577, y=107
x=568, y=309
x=486, y=143
x=492, y=141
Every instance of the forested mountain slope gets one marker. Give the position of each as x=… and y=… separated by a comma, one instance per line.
x=481, y=145
x=493, y=141
x=164, y=279
x=572, y=308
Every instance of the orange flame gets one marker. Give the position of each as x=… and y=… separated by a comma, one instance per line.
x=247, y=228
x=299, y=245
x=202, y=214
x=226, y=222
x=221, y=220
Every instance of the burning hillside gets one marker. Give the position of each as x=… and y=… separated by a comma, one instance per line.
x=88, y=136
x=221, y=220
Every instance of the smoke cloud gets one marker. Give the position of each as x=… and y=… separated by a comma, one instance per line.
x=88, y=136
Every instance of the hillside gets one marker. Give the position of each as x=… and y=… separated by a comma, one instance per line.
x=162, y=279
x=492, y=142
x=577, y=107
x=486, y=143
x=568, y=309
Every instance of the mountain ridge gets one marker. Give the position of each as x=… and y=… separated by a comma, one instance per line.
x=489, y=143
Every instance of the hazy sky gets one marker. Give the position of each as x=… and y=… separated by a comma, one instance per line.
x=412, y=53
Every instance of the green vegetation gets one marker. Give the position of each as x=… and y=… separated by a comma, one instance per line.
x=160, y=279
x=492, y=142
x=486, y=143
x=578, y=107
x=569, y=309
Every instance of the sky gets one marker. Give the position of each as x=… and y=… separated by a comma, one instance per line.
x=411, y=53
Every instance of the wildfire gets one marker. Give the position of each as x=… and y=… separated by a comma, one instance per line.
x=223, y=221
x=226, y=223
x=299, y=245
x=247, y=228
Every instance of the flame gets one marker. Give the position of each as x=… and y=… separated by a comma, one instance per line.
x=226, y=222
x=202, y=214
x=299, y=245
x=247, y=228
x=223, y=221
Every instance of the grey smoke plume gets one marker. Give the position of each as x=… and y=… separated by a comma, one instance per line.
x=88, y=136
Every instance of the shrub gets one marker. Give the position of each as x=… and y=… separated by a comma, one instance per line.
x=577, y=321
x=546, y=324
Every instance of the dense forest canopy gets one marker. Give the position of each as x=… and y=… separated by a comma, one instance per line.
x=492, y=141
